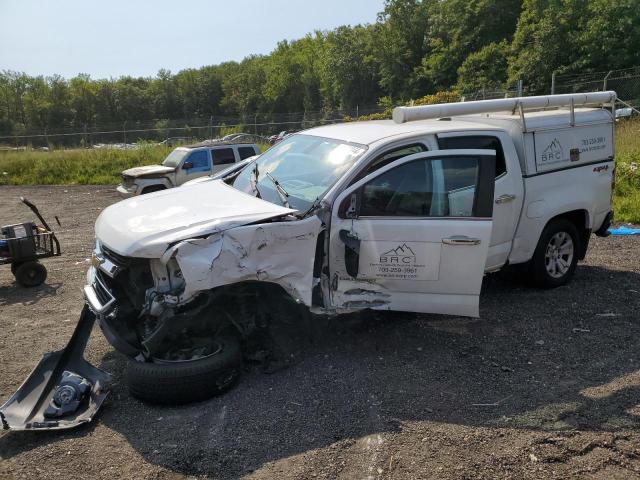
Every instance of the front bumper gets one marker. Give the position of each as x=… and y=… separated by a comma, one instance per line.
x=48, y=400
x=103, y=304
x=127, y=192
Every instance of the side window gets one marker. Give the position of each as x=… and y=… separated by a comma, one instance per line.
x=223, y=156
x=390, y=156
x=199, y=161
x=246, y=152
x=440, y=187
x=477, y=141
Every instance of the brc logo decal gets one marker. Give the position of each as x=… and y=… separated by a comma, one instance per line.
x=402, y=255
x=553, y=153
x=601, y=168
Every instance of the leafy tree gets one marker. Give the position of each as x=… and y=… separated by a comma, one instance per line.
x=546, y=40
x=610, y=38
x=484, y=69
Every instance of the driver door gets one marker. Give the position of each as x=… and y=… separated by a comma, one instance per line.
x=414, y=235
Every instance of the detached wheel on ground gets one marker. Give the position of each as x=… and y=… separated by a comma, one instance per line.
x=30, y=274
x=187, y=375
x=556, y=257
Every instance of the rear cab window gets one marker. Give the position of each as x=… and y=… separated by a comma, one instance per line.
x=223, y=156
x=483, y=142
x=246, y=152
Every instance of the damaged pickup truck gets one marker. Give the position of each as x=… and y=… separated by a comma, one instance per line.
x=404, y=215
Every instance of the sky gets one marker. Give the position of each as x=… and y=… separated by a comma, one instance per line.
x=110, y=38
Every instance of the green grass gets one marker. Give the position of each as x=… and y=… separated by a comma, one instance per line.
x=626, y=197
x=76, y=167
x=69, y=167
x=103, y=167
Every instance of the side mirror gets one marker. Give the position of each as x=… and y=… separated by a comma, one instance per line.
x=187, y=166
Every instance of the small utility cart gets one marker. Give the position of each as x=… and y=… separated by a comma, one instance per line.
x=23, y=245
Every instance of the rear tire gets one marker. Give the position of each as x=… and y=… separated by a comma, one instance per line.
x=31, y=274
x=180, y=382
x=556, y=257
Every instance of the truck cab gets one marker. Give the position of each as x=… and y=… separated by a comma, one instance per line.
x=184, y=164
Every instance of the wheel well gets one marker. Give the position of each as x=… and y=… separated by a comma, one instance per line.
x=580, y=218
x=153, y=188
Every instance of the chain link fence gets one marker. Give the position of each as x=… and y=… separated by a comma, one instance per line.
x=626, y=82
x=128, y=133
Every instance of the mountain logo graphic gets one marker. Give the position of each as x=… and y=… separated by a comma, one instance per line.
x=401, y=255
x=553, y=153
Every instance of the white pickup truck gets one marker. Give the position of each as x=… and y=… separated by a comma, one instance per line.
x=403, y=215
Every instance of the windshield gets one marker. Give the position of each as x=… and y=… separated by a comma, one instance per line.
x=305, y=166
x=174, y=158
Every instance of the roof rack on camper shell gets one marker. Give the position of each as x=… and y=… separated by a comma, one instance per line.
x=520, y=104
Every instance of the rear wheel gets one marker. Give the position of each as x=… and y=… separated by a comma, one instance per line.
x=14, y=267
x=184, y=375
x=556, y=257
x=31, y=274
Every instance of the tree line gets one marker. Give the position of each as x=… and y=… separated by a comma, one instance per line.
x=415, y=48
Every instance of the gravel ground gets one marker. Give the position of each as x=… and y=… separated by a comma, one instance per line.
x=545, y=385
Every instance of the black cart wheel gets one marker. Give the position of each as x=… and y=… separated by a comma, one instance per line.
x=31, y=274
x=184, y=376
x=14, y=267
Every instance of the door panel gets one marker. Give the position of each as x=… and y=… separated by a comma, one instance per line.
x=422, y=246
x=509, y=190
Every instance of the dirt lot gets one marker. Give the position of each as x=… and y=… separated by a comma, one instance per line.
x=544, y=385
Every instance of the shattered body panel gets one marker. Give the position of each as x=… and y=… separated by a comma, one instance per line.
x=277, y=252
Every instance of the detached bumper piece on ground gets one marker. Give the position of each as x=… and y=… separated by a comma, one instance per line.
x=63, y=391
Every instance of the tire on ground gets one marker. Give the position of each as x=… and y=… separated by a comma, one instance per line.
x=538, y=273
x=176, y=383
x=31, y=274
x=14, y=267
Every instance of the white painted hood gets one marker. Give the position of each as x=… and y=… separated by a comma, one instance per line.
x=148, y=170
x=144, y=226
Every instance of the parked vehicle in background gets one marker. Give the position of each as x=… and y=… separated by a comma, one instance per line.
x=185, y=164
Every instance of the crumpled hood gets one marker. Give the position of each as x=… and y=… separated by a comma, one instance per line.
x=146, y=225
x=148, y=170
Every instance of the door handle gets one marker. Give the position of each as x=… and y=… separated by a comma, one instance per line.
x=461, y=240
x=509, y=197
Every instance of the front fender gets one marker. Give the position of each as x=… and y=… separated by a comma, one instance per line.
x=277, y=252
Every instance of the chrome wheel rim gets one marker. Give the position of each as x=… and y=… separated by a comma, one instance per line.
x=559, y=255
x=188, y=354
